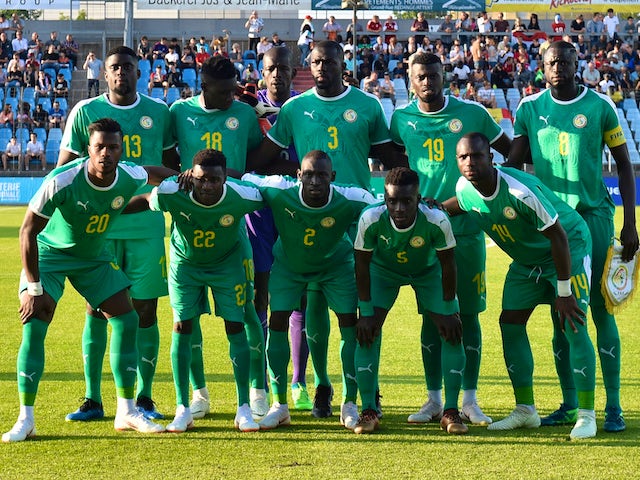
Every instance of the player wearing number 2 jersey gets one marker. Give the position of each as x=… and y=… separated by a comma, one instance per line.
x=137, y=240
x=566, y=128
x=428, y=129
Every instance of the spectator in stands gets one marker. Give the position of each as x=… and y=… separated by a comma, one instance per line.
x=349, y=63
x=35, y=45
x=236, y=56
x=470, y=92
x=558, y=27
x=501, y=25
x=63, y=61
x=478, y=76
x=43, y=85
x=254, y=25
x=157, y=79
x=533, y=22
x=60, y=87
x=93, y=65
x=14, y=75
x=176, y=46
x=577, y=27
x=606, y=83
x=144, y=49
x=201, y=55
x=20, y=45
x=500, y=78
x=4, y=23
x=492, y=52
x=304, y=43
x=447, y=27
x=395, y=49
x=3, y=79
x=486, y=95
x=611, y=24
x=263, y=47
x=581, y=47
x=629, y=30
x=331, y=28
x=6, y=51
x=173, y=79
x=71, y=49
x=484, y=23
x=53, y=40
x=50, y=58
x=522, y=77
x=203, y=45
x=276, y=41
x=374, y=27
x=16, y=24
x=591, y=75
x=595, y=27
x=12, y=152
x=390, y=28
x=57, y=116
x=6, y=116
x=31, y=60
x=186, y=92
x=387, y=90
x=218, y=46
x=188, y=58
x=478, y=51
x=518, y=25
x=23, y=118
x=461, y=72
x=171, y=57
x=40, y=117
x=16, y=60
x=250, y=74
x=160, y=49
x=350, y=30
x=420, y=24
x=463, y=24
x=30, y=76
x=371, y=84
x=35, y=152
x=626, y=84
x=521, y=56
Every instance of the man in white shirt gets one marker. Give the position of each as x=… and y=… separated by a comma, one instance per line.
x=12, y=152
x=35, y=151
x=591, y=75
x=611, y=24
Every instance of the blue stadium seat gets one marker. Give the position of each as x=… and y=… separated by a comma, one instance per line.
x=41, y=133
x=55, y=134
x=173, y=94
x=45, y=102
x=64, y=104
x=157, y=92
x=67, y=75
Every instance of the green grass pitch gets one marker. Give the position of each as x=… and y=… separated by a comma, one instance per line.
x=310, y=448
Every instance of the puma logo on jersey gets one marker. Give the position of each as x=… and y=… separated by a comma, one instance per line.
x=192, y=120
x=84, y=205
x=385, y=239
x=310, y=114
x=290, y=212
x=188, y=217
x=412, y=124
x=545, y=119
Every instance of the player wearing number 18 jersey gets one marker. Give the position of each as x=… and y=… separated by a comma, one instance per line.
x=137, y=240
x=428, y=129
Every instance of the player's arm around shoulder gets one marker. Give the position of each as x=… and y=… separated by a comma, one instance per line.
x=248, y=192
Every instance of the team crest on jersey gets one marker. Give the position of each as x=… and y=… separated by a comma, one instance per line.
x=580, y=121
x=455, y=125
x=328, y=222
x=350, y=115
x=117, y=202
x=226, y=220
x=416, y=242
x=146, y=122
x=509, y=213
x=232, y=123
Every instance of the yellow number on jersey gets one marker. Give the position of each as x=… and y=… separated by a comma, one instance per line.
x=97, y=223
x=202, y=239
x=402, y=257
x=308, y=238
x=503, y=232
x=163, y=266
x=580, y=283
x=132, y=146
x=333, y=133
x=435, y=149
x=212, y=140
x=241, y=294
x=247, y=263
x=480, y=281
x=563, y=143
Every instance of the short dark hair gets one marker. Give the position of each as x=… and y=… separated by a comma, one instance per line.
x=219, y=68
x=122, y=50
x=107, y=125
x=210, y=158
x=477, y=137
x=330, y=45
x=424, y=58
x=401, y=176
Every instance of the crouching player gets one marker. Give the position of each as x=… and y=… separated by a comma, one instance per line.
x=404, y=242
x=207, y=253
x=523, y=217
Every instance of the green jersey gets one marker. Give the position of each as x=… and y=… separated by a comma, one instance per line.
x=80, y=213
x=515, y=214
x=430, y=140
x=345, y=127
x=311, y=239
x=567, y=139
x=205, y=235
x=407, y=251
x=146, y=134
x=234, y=131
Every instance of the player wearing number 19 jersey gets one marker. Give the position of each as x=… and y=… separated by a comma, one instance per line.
x=566, y=128
x=428, y=129
x=137, y=240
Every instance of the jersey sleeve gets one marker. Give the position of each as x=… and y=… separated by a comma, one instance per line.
x=358, y=197
x=136, y=172
x=487, y=125
x=520, y=123
x=249, y=194
x=365, y=237
x=443, y=237
x=44, y=202
x=613, y=135
x=159, y=195
x=75, y=138
x=462, y=193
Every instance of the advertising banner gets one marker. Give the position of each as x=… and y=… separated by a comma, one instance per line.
x=560, y=6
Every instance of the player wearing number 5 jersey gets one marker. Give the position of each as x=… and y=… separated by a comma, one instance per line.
x=136, y=240
x=428, y=130
x=551, y=265
x=566, y=128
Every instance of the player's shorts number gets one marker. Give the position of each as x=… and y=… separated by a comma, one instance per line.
x=247, y=263
x=212, y=140
x=132, y=146
x=435, y=149
x=202, y=239
x=333, y=133
x=241, y=294
x=480, y=281
x=97, y=223
x=563, y=143
x=579, y=283
x=163, y=266
x=503, y=233
x=308, y=238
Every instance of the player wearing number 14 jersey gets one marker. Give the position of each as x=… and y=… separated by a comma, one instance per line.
x=137, y=240
x=428, y=129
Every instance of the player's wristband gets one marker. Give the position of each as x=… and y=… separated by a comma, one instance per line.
x=34, y=289
x=366, y=308
x=564, y=288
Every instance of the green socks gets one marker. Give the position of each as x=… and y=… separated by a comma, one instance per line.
x=196, y=369
x=122, y=353
x=347, y=354
x=180, y=361
x=239, y=355
x=94, y=345
x=519, y=361
x=318, y=329
x=255, y=336
x=30, y=364
x=278, y=353
x=148, y=346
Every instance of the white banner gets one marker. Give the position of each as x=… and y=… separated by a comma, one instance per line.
x=222, y=4
x=39, y=4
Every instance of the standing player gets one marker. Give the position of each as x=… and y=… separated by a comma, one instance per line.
x=566, y=128
x=404, y=242
x=312, y=217
x=215, y=120
x=206, y=253
x=524, y=218
x=350, y=126
x=429, y=129
x=137, y=240
x=64, y=235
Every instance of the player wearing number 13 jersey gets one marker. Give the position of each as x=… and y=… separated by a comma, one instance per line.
x=428, y=129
